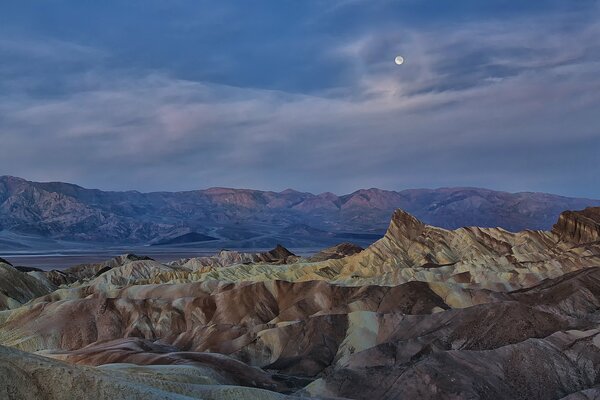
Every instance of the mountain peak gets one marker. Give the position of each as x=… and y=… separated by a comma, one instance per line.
x=8, y=179
x=404, y=225
x=289, y=191
x=579, y=226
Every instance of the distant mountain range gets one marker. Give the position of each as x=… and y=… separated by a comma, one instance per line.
x=34, y=214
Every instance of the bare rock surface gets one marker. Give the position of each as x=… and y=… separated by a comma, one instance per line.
x=226, y=258
x=17, y=288
x=471, y=257
x=335, y=252
x=87, y=271
x=424, y=312
x=579, y=226
x=31, y=377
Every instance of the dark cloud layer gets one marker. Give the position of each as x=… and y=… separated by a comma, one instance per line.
x=182, y=95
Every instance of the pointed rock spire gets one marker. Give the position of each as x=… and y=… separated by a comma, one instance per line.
x=404, y=226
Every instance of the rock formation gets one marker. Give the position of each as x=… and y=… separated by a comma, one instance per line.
x=472, y=257
x=225, y=258
x=31, y=377
x=425, y=312
x=86, y=271
x=338, y=251
x=17, y=288
x=579, y=226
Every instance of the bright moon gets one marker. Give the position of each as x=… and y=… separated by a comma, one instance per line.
x=399, y=60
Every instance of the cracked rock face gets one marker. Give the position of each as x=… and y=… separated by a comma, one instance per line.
x=579, y=226
x=425, y=312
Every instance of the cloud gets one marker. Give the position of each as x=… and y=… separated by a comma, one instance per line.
x=508, y=106
x=47, y=50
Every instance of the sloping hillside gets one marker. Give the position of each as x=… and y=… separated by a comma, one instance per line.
x=251, y=218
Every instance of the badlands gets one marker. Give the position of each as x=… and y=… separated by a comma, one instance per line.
x=424, y=312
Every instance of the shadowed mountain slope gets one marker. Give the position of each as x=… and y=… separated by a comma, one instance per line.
x=252, y=218
x=26, y=376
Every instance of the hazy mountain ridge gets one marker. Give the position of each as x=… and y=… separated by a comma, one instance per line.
x=258, y=218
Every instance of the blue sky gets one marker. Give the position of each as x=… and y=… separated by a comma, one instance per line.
x=175, y=95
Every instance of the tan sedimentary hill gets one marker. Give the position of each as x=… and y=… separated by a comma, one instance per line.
x=133, y=272
x=208, y=316
x=422, y=313
x=336, y=252
x=17, y=288
x=185, y=376
x=527, y=347
x=225, y=258
x=579, y=226
x=470, y=257
x=56, y=277
x=87, y=271
x=490, y=258
x=353, y=342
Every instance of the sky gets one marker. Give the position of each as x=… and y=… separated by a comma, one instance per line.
x=157, y=95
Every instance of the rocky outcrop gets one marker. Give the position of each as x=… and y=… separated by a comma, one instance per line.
x=141, y=352
x=404, y=227
x=208, y=316
x=160, y=376
x=226, y=258
x=338, y=251
x=424, y=312
x=57, y=277
x=579, y=226
x=278, y=254
x=395, y=342
x=87, y=271
x=471, y=257
x=542, y=368
x=133, y=272
x=524, y=348
x=17, y=288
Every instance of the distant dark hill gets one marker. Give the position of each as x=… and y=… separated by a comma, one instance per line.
x=191, y=237
x=304, y=230
x=251, y=218
x=359, y=236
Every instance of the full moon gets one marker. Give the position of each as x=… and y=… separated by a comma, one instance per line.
x=399, y=60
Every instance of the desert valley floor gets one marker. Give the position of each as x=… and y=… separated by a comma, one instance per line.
x=424, y=312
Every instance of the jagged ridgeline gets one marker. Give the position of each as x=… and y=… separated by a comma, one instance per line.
x=41, y=215
x=424, y=312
